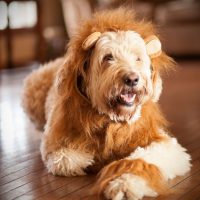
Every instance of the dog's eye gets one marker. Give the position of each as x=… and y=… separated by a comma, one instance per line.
x=138, y=59
x=108, y=57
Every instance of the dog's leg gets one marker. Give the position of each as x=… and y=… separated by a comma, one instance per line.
x=64, y=161
x=145, y=171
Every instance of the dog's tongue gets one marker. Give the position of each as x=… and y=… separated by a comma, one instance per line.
x=128, y=97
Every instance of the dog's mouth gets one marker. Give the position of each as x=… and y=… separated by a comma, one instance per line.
x=126, y=98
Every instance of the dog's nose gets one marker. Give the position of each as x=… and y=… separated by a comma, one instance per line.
x=131, y=80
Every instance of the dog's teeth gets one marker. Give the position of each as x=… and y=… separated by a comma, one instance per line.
x=129, y=98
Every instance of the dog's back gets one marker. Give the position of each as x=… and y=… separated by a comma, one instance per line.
x=36, y=88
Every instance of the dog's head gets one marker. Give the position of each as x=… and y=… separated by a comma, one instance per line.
x=117, y=68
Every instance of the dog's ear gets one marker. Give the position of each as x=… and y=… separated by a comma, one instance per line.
x=153, y=46
x=160, y=65
x=91, y=40
x=65, y=75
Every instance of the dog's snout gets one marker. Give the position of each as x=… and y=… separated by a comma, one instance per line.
x=131, y=79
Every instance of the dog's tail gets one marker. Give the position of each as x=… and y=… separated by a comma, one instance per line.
x=35, y=92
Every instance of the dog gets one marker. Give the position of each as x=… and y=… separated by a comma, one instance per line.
x=98, y=107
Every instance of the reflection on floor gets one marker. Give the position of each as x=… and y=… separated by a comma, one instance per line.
x=23, y=175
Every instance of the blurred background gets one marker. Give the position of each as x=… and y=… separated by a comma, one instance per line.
x=38, y=30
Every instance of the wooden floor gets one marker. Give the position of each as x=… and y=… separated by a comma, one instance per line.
x=23, y=175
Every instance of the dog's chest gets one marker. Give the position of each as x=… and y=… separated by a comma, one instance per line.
x=112, y=142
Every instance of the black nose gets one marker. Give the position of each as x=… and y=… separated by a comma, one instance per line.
x=131, y=80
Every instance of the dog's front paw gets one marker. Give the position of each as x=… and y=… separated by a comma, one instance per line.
x=68, y=162
x=128, y=186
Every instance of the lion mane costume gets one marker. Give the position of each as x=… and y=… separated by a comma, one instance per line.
x=98, y=107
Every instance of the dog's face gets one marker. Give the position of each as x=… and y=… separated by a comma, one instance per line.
x=119, y=78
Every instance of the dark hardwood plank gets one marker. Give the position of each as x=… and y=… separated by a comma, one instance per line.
x=22, y=165
x=22, y=158
x=82, y=194
x=21, y=181
x=23, y=186
x=183, y=188
x=21, y=173
x=79, y=183
x=45, y=189
x=194, y=194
